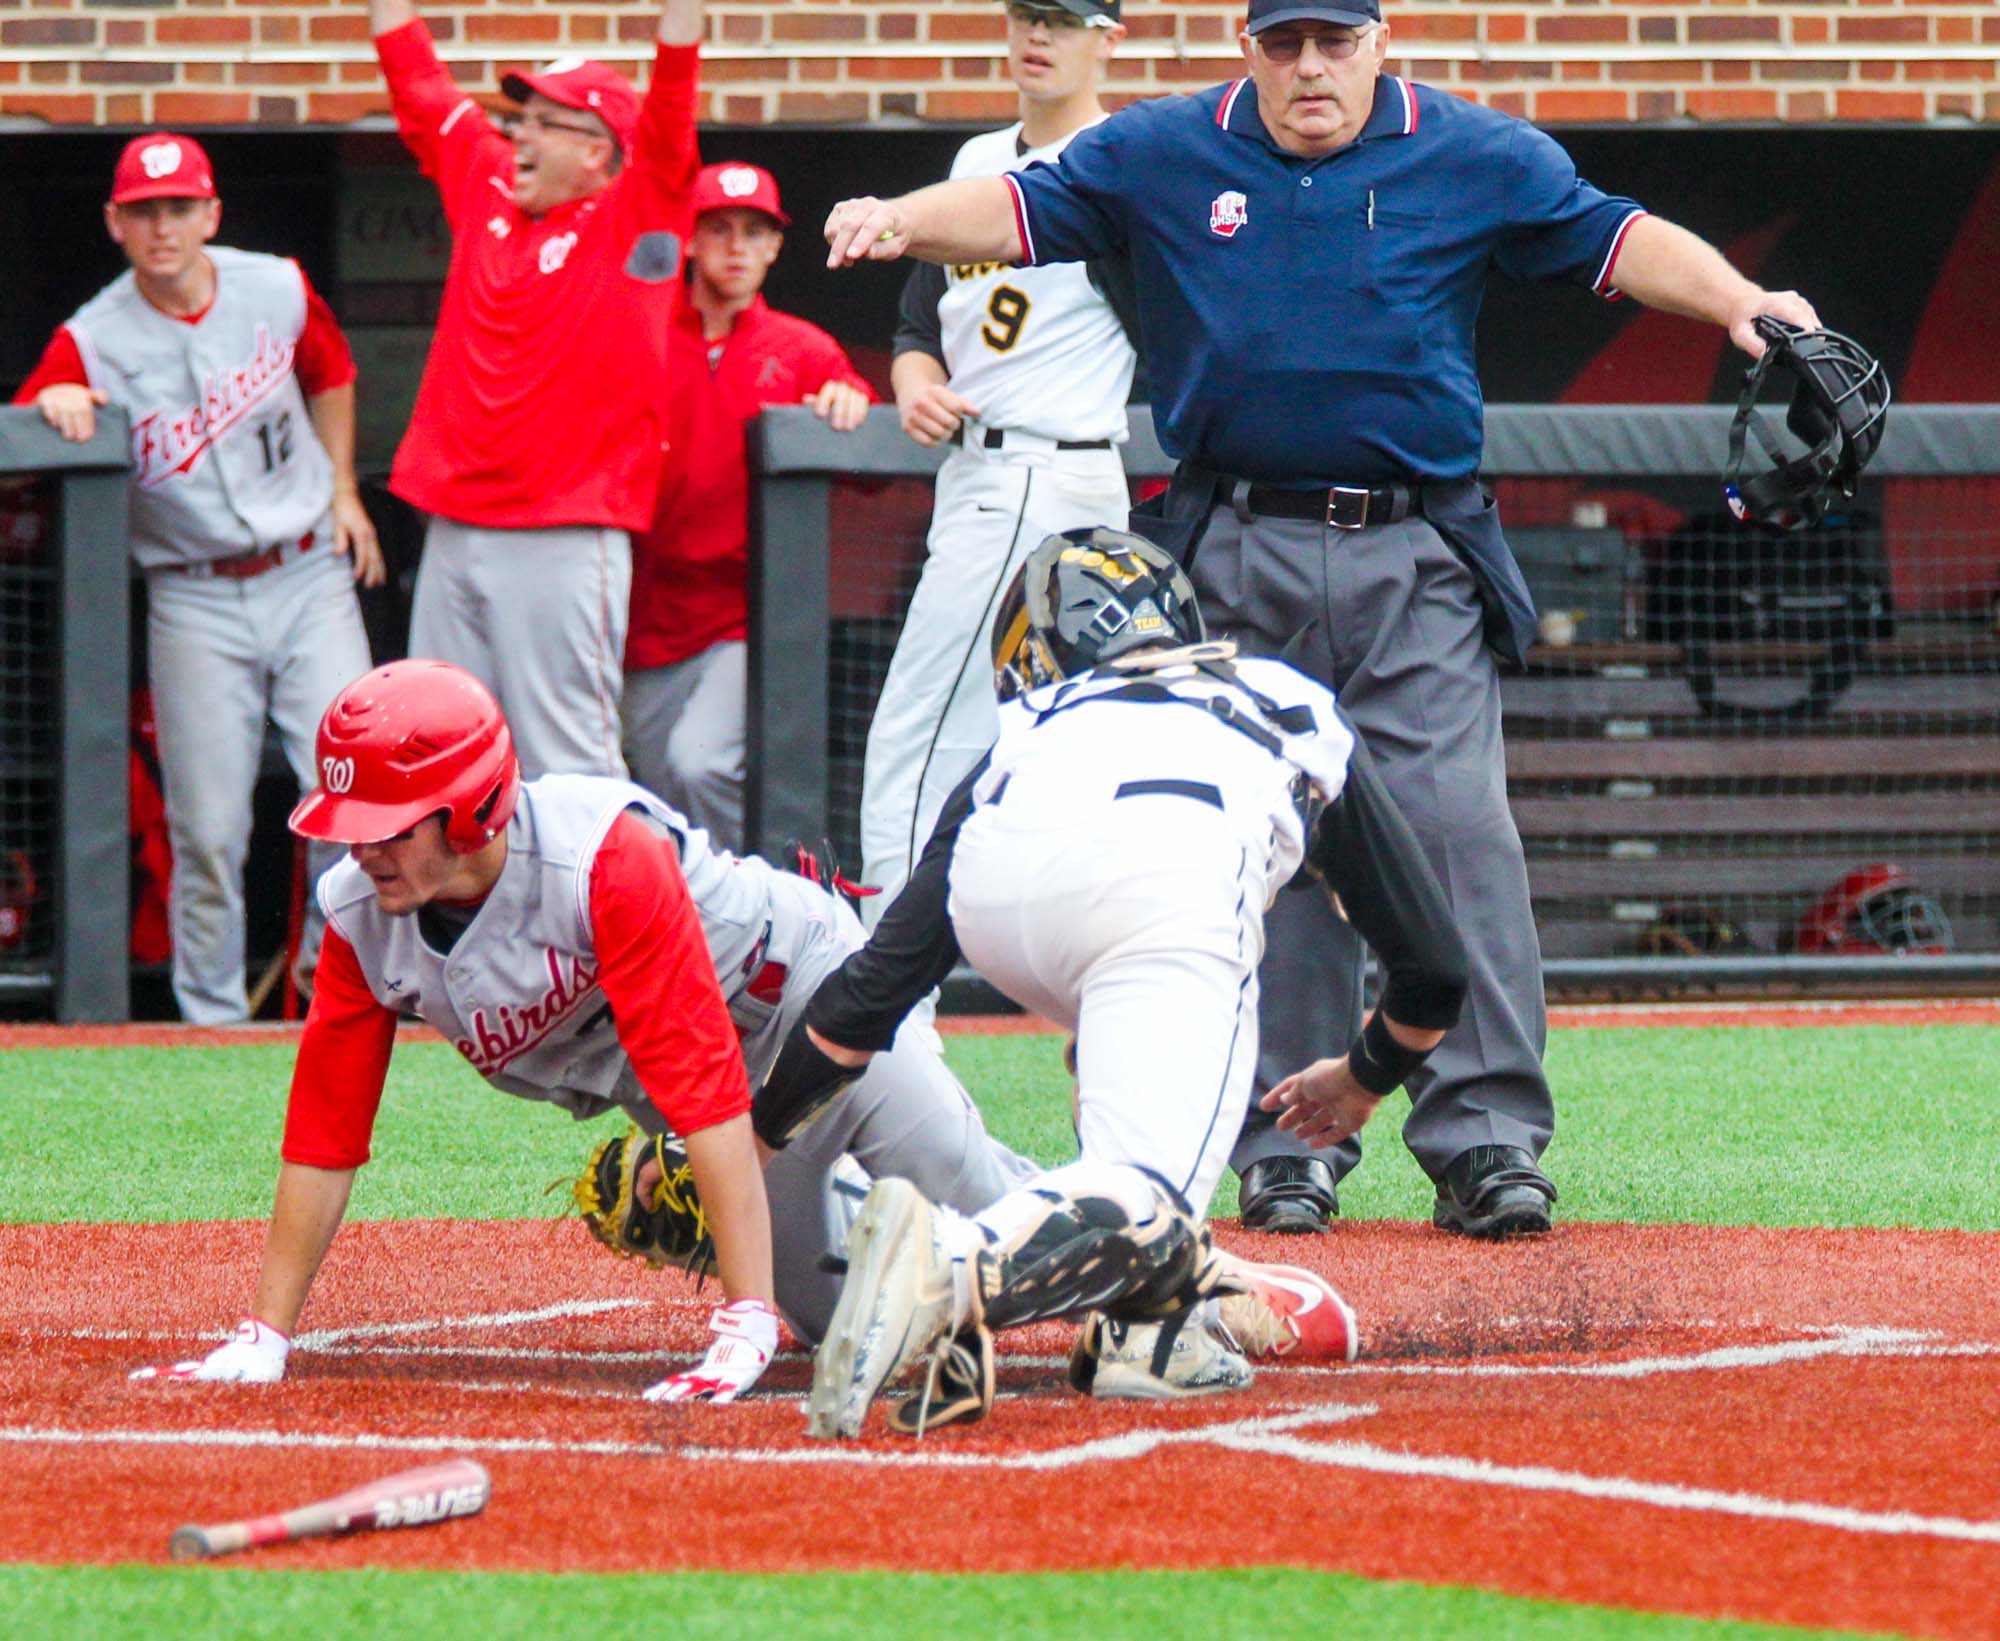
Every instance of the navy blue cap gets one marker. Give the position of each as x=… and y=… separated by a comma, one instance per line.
x=1097, y=13
x=1343, y=13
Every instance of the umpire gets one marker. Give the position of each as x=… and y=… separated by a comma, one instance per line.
x=1311, y=245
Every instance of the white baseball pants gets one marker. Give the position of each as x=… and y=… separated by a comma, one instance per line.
x=1138, y=923
x=936, y=716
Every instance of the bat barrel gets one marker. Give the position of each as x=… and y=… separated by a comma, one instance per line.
x=415, y=1498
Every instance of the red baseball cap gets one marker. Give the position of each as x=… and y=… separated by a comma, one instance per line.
x=586, y=85
x=734, y=183
x=162, y=166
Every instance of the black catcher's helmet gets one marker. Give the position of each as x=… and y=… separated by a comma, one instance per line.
x=1083, y=597
x=1840, y=398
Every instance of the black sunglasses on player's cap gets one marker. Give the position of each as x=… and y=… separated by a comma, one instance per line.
x=1093, y=13
x=1342, y=13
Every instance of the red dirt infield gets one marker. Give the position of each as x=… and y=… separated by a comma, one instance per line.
x=1789, y=1426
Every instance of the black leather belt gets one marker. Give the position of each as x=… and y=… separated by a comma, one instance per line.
x=995, y=438
x=1200, y=791
x=1340, y=507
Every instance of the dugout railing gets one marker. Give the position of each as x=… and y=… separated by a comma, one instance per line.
x=65, y=618
x=1715, y=730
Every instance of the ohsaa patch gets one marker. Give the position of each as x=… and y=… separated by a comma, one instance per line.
x=161, y=159
x=337, y=774
x=737, y=181
x=1228, y=212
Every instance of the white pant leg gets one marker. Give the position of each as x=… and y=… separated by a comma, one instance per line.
x=539, y=616
x=936, y=715
x=207, y=672
x=316, y=648
x=1148, y=950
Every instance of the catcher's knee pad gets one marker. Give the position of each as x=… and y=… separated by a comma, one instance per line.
x=1085, y=1253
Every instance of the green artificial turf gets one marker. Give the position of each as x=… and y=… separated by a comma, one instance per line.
x=1271, y=1604
x=1854, y=1125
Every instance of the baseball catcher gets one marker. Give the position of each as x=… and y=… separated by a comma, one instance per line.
x=1216, y=780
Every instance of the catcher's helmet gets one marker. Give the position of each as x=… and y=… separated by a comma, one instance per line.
x=1840, y=399
x=1875, y=910
x=407, y=741
x=1083, y=597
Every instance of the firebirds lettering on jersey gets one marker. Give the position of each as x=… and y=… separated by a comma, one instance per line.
x=514, y=1031
x=167, y=445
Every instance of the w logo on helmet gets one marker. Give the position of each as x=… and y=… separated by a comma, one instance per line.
x=337, y=774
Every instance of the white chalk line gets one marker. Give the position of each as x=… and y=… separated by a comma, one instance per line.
x=1271, y=1436
x=57, y=1435
x=319, y=1338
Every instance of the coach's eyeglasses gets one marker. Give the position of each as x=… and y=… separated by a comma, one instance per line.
x=1283, y=45
x=1054, y=16
x=527, y=121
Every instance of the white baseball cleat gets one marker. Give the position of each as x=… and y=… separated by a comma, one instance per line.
x=1290, y=1312
x=894, y=1305
x=1122, y=1361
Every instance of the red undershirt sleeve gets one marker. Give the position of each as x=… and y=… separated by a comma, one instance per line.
x=343, y=1062
x=658, y=976
x=60, y=362
x=324, y=359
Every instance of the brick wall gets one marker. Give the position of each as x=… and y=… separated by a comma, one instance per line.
x=847, y=62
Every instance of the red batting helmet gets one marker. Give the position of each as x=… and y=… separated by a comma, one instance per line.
x=1875, y=910
x=405, y=742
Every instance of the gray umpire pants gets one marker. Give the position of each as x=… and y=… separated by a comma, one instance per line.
x=1396, y=633
x=538, y=617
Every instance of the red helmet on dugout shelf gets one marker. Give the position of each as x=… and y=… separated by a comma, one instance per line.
x=405, y=742
x=1085, y=597
x=1875, y=910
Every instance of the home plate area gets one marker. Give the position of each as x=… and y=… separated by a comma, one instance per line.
x=1787, y=1425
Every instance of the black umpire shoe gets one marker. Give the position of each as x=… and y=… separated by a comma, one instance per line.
x=1290, y=1195
x=1494, y=1191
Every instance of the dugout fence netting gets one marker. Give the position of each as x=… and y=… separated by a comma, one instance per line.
x=1727, y=744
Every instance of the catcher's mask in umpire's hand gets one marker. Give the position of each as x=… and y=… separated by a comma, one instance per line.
x=405, y=742
x=1840, y=398
x=1083, y=597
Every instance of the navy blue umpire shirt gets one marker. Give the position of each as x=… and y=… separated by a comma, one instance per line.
x=1309, y=321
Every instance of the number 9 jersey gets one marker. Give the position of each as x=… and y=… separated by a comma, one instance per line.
x=1034, y=348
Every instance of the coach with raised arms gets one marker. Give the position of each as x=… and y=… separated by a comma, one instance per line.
x=538, y=436
x=1311, y=246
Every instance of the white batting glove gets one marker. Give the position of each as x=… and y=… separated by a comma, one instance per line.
x=746, y=1338
x=255, y=1355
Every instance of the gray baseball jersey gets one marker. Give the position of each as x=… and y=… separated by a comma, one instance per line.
x=224, y=456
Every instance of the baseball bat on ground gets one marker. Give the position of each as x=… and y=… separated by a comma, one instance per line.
x=412, y=1498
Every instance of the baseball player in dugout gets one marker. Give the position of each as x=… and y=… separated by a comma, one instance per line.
x=536, y=442
x=1108, y=865
x=730, y=355
x=1025, y=372
x=1310, y=246
x=245, y=517
x=580, y=943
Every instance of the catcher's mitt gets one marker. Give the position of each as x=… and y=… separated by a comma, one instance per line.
x=671, y=1229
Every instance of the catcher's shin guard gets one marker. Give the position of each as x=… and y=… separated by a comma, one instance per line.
x=1086, y=1254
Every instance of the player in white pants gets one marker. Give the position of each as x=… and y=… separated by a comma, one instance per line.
x=1109, y=865
x=1026, y=372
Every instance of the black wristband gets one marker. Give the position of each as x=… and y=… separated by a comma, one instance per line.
x=1378, y=1062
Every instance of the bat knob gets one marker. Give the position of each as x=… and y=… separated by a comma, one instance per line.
x=188, y=1544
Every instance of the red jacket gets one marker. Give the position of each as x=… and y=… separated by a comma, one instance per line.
x=690, y=569
x=543, y=400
